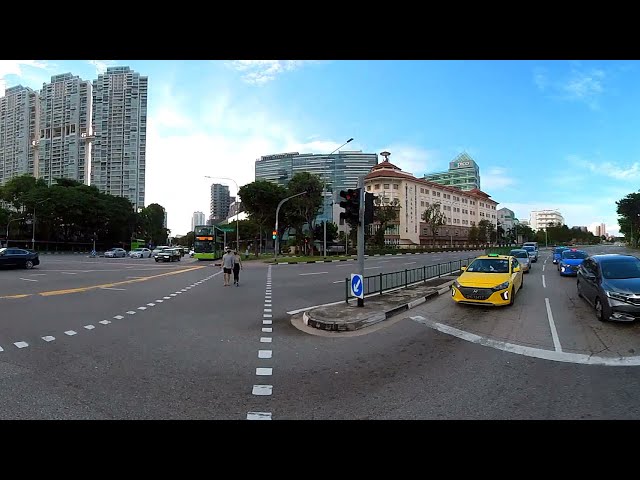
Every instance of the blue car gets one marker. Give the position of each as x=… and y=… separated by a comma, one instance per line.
x=557, y=253
x=570, y=261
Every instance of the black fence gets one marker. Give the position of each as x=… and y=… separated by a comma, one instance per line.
x=383, y=282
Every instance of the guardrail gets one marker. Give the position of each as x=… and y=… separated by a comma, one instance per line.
x=384, y=282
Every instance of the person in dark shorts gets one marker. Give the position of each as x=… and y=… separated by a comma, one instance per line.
x=237, y=265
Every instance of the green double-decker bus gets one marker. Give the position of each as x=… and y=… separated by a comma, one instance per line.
x=207, y=244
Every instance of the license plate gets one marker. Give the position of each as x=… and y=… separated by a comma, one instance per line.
x=476, y=297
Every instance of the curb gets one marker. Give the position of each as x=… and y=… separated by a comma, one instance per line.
x=368, y=256
x=376, y=317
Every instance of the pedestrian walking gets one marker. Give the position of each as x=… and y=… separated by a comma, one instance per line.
x=227, y=266
x=237, y=266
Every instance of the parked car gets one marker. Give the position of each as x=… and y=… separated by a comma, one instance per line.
x=611, y=284
x=140, y=253
x=523, y=258
x=115, y=253
x=18, y=257
x=489, y=280
x=570, y=260
x=169, y=255
x=533, y=252
x=557, y=253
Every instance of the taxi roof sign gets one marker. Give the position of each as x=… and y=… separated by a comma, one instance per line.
x=493, y=255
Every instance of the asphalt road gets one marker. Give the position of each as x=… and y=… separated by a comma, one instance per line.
x=182, y=346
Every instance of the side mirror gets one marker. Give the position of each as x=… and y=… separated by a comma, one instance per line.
x=463, y=268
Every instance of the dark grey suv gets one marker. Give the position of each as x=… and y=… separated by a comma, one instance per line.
x=611, y=284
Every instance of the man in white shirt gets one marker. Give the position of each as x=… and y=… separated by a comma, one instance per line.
x=228, y=261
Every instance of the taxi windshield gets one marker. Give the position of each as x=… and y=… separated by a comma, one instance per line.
x=489, y=265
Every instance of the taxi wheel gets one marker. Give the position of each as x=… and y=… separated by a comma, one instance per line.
x=512, y=295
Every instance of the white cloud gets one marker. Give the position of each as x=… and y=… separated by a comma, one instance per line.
x=414, y=160
x=581, y=84
x=608, y=168
x=259, y=72
x=17, y=67
x=101, y=65
x=496, y=179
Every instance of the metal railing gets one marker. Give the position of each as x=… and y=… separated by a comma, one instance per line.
x=383, y=282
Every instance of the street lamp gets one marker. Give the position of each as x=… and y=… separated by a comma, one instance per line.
x=33, y=230
x=9, y=223
x=237, y=207
x=324, y=195
x=275, y=254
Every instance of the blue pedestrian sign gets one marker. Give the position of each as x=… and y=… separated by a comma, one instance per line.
x=357, y=286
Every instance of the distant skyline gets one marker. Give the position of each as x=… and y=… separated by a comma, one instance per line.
x=546, y=134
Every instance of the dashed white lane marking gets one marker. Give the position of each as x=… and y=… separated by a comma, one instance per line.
x=265, y=353
x=159, y=301
x=105, y=322
x=267, y=322
x=258, y=416
x=131, y=312
x=113, y=288
x=370, y=268
x=21, y=344
x=118, y=317
x=89, y=327
x=167, y=298
x=339, y=281
x=312, y=273
x=267, y=304
x=262, y=389
x=28, y=279
x=552, y=325
x=409, y=263
x=262, y=371
x=1, y=349
x=268, y=310
x=543, y=267
x=69, y=273
x=265, y=339
x=267, y=330
x=70, y=332
x=48, y=338
x=544, y=284
x=172, y=295
x=151, y=304
x=142, y=308
x=267, y=315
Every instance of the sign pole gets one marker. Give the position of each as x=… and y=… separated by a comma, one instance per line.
x=361, y=196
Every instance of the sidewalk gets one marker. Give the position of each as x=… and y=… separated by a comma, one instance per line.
x=342, y=317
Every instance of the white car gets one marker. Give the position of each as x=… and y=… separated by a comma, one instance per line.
x=115, y=253
x=140, y=253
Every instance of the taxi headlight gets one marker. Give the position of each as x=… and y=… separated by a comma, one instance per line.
x=502, y=286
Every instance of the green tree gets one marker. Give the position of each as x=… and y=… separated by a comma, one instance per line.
x=260, y=200
x=384, y=213
x=472, y=236
x=304, y=209
x=484, y=226
x=434, y=218
x=150, y=224
x=628, y=209
x=332, y=231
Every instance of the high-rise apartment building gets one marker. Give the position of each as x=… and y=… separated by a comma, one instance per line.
x=463, y=173
x=64, y=125
x=19, y=110
x=220, y=201
x=541, y=219
x=197, y=219
x=118, y=156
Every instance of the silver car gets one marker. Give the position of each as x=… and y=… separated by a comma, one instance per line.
x=523, y=258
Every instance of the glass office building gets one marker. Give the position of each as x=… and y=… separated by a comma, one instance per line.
x=463, y=173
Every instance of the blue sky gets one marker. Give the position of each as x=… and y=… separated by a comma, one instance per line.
x=546, y=134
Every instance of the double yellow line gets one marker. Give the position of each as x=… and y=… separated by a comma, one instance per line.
x=95, y=287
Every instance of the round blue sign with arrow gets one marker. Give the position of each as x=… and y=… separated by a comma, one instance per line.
x=357, y=285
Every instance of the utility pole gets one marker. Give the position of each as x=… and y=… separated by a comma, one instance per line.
x=361, y=226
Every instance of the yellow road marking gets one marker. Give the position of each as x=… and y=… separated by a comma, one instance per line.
x=95, y=287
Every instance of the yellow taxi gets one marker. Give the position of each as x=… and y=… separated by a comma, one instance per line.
x=491, y=279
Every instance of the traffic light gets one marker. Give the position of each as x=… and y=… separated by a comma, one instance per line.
x=351, y=205
x=274, y=234
x=368, y=208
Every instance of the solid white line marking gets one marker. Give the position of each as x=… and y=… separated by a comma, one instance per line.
x=142, y=308
x=105, y=322
x=265, y=353
x=118, y=317
x=28, y=279
x=264, y=371
x=151, y=304
x=21, y=344
x=37, y=274
x=554, y=332
x=267, y=322
x=259, y=416
x=69, y=273
x=338, y=281
x=267, y=330
x=313, y=273
x=344, y=265
x=262, y=389
x=131, y=312
x=544, y=284
x=409, y=263
x=370, y=268
x=113, y=288
x=265, y=339
x=268, y=310
x=267, y=315
x=293, y=312
x=48, y=338
x=89, y=327
x=70, y=332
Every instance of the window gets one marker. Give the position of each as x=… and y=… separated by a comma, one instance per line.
x=368, y=187
x=377, y=186
x=438, y=193
x=396, y=186
x=421, y=190
x=386, y=186
x=422, y=203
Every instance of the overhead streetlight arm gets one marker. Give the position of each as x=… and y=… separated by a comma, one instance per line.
x=275, y=254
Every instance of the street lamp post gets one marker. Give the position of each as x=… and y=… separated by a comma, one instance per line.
x=275, y=254
x=33, y=230
x=9, y=223
x=324, y=194
x=237, y=208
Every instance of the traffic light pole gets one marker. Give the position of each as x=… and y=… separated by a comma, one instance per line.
x=361, y=227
